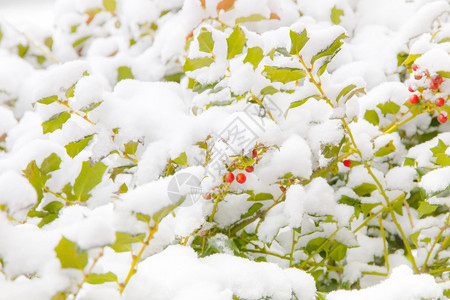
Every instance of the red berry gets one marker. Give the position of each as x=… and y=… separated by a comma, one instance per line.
x=437, y=79
x=414, y=67
x=241, y=178
x=434, y=85
x=229, y=177
x=413, y=98
x=442, y=118
x=254, y=153
x=410, y=88
x=418, y=76
x=250, y=169
x=439, y=102
x=347, y=163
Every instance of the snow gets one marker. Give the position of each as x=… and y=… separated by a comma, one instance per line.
x=170, y=119
x=402, y=284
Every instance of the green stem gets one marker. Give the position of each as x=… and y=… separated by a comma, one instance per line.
x=435, y=242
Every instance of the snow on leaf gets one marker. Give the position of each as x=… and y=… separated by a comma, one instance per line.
x=330, y=50
x=70, y=255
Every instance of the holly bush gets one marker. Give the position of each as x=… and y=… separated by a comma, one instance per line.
x=231, y=149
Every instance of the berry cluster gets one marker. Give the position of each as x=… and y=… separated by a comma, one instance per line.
x=427, y=81
x=241, y=178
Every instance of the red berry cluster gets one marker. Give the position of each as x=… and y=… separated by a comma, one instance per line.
x=431, y=82
x=241, y=178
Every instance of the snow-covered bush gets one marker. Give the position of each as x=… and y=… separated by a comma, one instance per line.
x=227, y=149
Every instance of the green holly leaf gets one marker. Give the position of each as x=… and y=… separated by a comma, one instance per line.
x=101, y=278
x=442, y=159
x=206, y=42
x=70, y=255
x=298, y=41
x=440, y=148
x=125, y=240
x=338, y=251
x=236, y=42
x=55, y=122
x=345, y=91
x=260, y=197
x=269, y=90
x=73, y=148
x=80, y=41
x=444, y=74
x=252, y=210
x=70, y=92
x=181, y=159
x=426, y=209
x=409, y=162
x=330, y=50
x=385, y=150
x=336, y=15
x=124, y=72
x=88, y=178
x=251, y=18
x=303, y=101
x=48, y=100
x=254, y=56
x=283, y=75
x=110, y=5
x=91, y=106
x=36, y=178
x=372, y=117
x=315, y=244
x=50, y=164
x=364, y=189
x=389, y=107
x=158, y=216
x=197, y=63
x=131, y=148
x=53, y=207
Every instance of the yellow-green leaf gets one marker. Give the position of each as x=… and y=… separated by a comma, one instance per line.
x=269, y=90
x=336, y=15
x=206, y=41
x=74, y=148
x=236, y=42
x=330, y=50
x=386, y=150
x=125, y=240
x=284, y=75
x=55, y=122
x=124, y=72
x=110, y=5
x=50, y=163
x=372, y=117
x=101, y=278
x=365, y=189
x=251, y=18
x=197, y=63
x=70, y=255
x=48, y=100
x=181, y=159
x=389, y=107
x=298, y=41
x=80, y=41
x=254, y=56
x=70, y=92
x=345, y=91
x=88, y=178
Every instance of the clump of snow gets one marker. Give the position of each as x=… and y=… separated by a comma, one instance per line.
x=402, y=284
